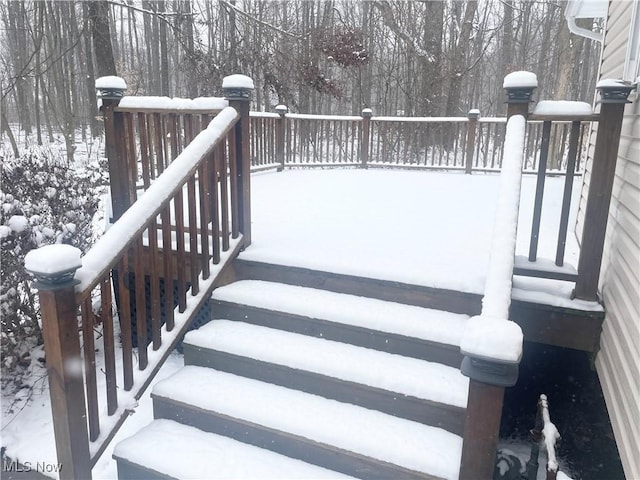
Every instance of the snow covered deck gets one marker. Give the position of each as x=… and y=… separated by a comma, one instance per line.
x=422, y=234
x=423, y=228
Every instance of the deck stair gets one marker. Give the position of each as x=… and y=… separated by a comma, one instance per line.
x=295, y=382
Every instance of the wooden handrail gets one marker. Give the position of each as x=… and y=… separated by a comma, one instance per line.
x=492, y=344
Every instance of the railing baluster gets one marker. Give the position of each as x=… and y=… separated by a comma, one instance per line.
x=124, y=317
x=168, y=262
x=224, y=196
x=193, y=235
x=537, y=206
x=181, y=251
x=205, y=217
x=144, y=149
x=215, y=205
x=161, y=142
x=89, y=351
x=566, y=197
x=154, y=284
x=108, y=343
x=233, y=173
x=141, y=306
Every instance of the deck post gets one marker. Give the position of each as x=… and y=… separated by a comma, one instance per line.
x=489, y=377
x=237, y=90
x=280, y=135
x=613, y=99
x=56, y=291
x=472, y=126
x=111, y=90
x=367, y=113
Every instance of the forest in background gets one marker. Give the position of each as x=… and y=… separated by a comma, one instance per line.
x=413, y=58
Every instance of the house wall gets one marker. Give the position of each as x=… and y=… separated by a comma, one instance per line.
x=618, y=361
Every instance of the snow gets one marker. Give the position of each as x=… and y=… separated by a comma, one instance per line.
x=492, y=339
x=186, y=452
x=474, y=111
x=402, y=226
x=207, y=104
x=408, y=320
x=237, y=81
x=550, y=434
x=520, y=79
x=53, y=259
x=497, y=291
x=111, y=81
x=562, y=108
x=18, y=223
x=349, y=427
x=395, y=373
x=611, y=83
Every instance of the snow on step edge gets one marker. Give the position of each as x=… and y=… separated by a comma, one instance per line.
x=408, y=320
x=371, y=433
x=181, y=451
x=391, y=372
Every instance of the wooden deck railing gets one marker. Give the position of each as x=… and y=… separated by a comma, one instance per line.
x=492, y=343
x=470, y=144
x=148, y=276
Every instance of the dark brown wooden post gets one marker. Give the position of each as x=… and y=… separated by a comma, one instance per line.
x=64, y=362
x=489, y=377
x=237, y=89
x=280, y=135
x=367, y=113
x=613, y=99
x=472, y=126
x=111, y=90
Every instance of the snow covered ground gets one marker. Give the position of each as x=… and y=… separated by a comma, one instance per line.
x=425, y=228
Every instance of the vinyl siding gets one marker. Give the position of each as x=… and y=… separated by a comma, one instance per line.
x=618, y=361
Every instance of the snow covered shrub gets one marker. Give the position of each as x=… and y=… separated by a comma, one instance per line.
x=42, y=201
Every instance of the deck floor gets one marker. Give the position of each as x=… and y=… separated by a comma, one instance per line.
x=418, y=227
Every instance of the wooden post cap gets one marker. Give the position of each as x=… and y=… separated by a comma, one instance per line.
x=282, y=110
x=615, y=91
x=519, y=86
x=111, y=87
x=237, y=87
x=473, y=114
x=367, y=113
x=53, y=266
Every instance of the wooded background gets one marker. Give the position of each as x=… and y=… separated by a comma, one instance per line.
x=413, y=58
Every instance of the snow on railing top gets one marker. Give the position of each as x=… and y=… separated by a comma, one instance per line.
x=611, y=82
x=52, y=259
x=520, y=79
x=237, y=81
x=201, y=104
x=491, y=335
x=111, y=81
x=106, y=251
x=563, y=108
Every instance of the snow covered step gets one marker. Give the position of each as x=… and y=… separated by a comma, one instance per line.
x=350, y=439
x=407, y=330
x=167, y=449
x=426, y=392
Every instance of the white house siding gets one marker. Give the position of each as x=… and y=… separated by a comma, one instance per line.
x=618, y=361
